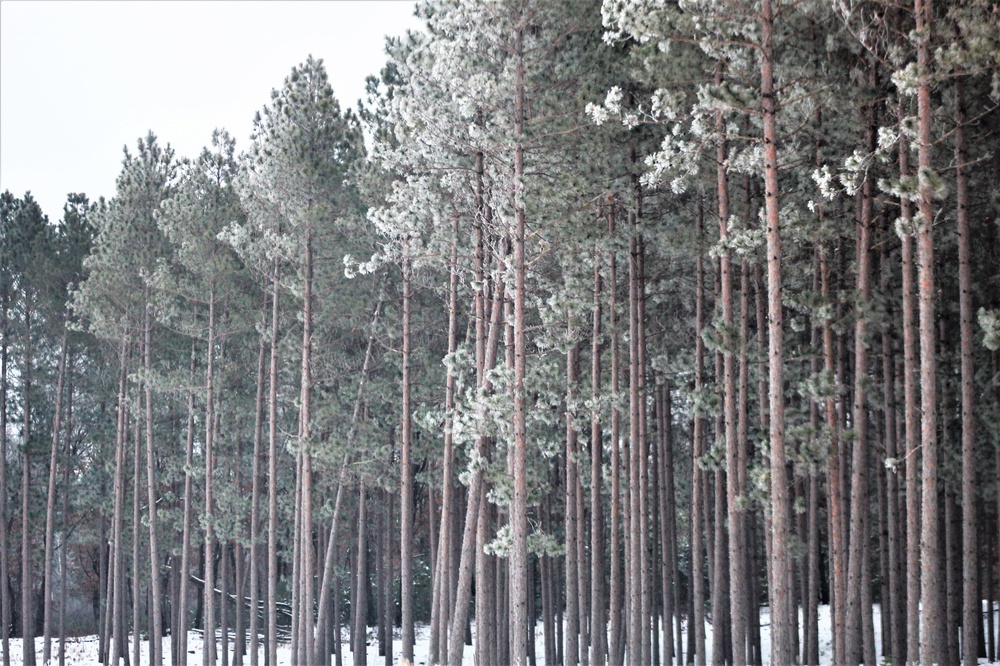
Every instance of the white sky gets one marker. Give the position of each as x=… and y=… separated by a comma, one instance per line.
x=80, y=80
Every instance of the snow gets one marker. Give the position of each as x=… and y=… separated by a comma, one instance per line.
x=83, y=650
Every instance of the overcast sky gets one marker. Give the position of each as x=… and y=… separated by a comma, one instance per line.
x=79, y=80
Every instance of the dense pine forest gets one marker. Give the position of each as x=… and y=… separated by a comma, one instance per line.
x=644, y=333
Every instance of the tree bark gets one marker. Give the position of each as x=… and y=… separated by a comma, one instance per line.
x=598, y=622
x=185, y=571
x=519, y=506
x=933, y=639
x=50, y=504
x=697, y=580
x=272, y=478
x=781, y=622
x=406, y=476
x=971, y=604
x=156, y=616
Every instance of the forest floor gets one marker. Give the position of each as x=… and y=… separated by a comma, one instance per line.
x=83, y=650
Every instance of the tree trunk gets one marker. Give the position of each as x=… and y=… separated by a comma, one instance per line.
x=572, y=635
x=971, y=604
x=519, y=506
x=50, y=503
x=697, y=580
x=598, y=622
x=360, y=610
x=69, y=453
x=616, y=649
x=27, y=584
x=4, y=564
x=258, y=424
x=911, y=417
x=209, y=586
x=185, y=571
x=272, y=480
x=406, y=483
x=781, y=622
x=156, y=619
x=858, y=576
x=933, y=639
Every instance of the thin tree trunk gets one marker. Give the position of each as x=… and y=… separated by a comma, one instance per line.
x=910, y=418
x=27, y=584
x=117, y=581
x=598, y=622
x=616, y=649
x=697, y=580
x=933, y=639
x=519, y=506
x=360, y=610
x=258, y=424
x=406, y=483
x=209, y=592
x=858, y=576
x=4, y=563
x=971, y=604
x=896, y=600
x=156, y=619
x=572, y=635
x=272, y=480
x=69, y=453
x=781, y=622
x=50, y=503
x=185, y=571
x=136, y=517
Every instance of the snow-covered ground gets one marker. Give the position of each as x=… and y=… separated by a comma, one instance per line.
x=83, y=650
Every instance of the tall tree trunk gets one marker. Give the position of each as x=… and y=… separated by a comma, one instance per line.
x=971, y=604
x=858, y=576
x=209, y=587
x=780, y=564
x=896, y=600
x=933, y=639
x=911, y=417
x=69, y=453
x=27, y=584
x=185, y=572
x=735, y=454
x=616, y=649
x=308, y=565
x=272, y=478
x=360, y=611
x=598, y=622
x=519, y=506
x=258, y=424
x=444, y=564
x=473, y=504
x=572, y=635
x=136, y=517
x=406, y=483
x=50, y=503
x=156, y=618
x=697, y=579
x=4, y=563
x=117, y=581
